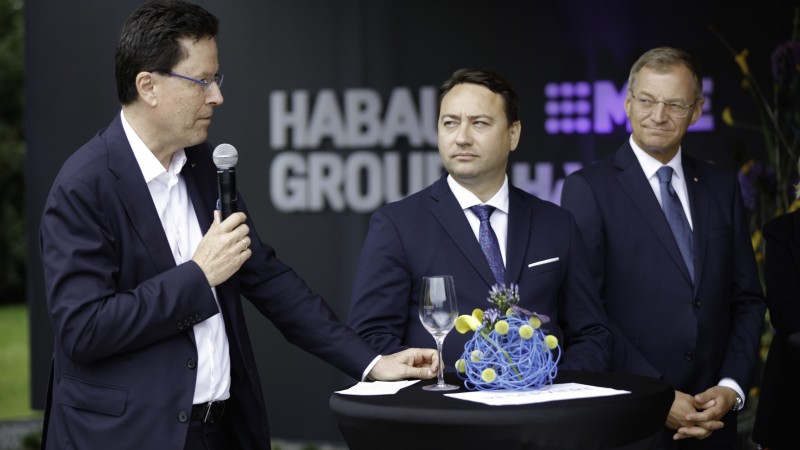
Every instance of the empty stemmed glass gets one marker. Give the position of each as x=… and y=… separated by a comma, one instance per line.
x=438, y=312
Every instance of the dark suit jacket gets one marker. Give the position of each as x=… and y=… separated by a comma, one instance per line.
x=122, y=312
x=428, y=234
x=689, y=335
x=778, y=414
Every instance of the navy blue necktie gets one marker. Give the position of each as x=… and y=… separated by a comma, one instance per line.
x=489, y=243
x=676, y=218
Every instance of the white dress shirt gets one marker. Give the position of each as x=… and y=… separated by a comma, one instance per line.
x=177, y=215
x=498, y=219
x=651, y=165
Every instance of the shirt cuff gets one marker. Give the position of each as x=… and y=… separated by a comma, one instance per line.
x=369, y=368
x=729, y=382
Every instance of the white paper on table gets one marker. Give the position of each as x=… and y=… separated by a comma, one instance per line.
x=377, y=387
x=553, y=392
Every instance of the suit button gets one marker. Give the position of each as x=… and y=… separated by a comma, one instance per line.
x=697, y=303
x=191, y=363
x=688, y=356
x=183, y=417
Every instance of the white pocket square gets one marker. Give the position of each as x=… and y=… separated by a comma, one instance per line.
x=544, y=261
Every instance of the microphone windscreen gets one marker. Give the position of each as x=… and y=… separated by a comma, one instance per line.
x=225, y=156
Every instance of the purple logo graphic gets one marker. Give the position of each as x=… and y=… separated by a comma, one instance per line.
x=582, y=107
x=568, y=108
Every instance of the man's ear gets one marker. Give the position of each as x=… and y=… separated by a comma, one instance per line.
x=515, y=130
x=147, y=88
x=697, y=111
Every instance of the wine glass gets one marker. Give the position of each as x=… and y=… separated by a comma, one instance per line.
x=438, y=312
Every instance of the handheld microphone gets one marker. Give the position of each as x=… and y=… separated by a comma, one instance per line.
x=225, y=158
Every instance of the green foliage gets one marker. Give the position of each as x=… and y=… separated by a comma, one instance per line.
x=13, y=253
x=14, y=363
x=32, y=441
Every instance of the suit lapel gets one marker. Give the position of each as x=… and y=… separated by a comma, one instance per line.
x=201, y=193
x=697, y=191
x=449, y=214
x=135, y=197
x=633, y=182
x=202, y=188
x=520, y=230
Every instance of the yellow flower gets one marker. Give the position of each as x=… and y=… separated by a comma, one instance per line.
x=502, y=327
x=478, y=314
x=794, y=206
x=741, y=60
x=476, y=355
x=461, y=366
x=526, y=332
x=535, y=322
x=488, y=375
x=552, y=341
x=465, y=323
x=756, y=239
x=727, y=116
x=745, y=84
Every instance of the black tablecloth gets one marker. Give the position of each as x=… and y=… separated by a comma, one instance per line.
x=417, y=419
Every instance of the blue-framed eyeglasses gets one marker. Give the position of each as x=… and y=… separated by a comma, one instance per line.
x=205, y=83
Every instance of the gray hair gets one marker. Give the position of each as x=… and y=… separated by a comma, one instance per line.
x=661, y=59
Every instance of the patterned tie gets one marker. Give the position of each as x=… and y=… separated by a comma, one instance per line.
x=676, y=218
x=489, y=243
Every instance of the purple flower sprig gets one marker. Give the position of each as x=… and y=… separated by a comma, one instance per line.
x=506, y=300
x=504, y=297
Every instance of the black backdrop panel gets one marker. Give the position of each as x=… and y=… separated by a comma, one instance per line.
x=331, y=107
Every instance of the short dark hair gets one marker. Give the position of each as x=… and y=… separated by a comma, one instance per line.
x=150, y=40
x=489, y=80
x=661, y=59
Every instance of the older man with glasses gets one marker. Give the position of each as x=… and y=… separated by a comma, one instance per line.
x=670, y=251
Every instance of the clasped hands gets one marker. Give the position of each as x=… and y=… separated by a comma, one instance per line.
x=700, y=415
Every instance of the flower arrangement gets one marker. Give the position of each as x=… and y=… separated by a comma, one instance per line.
x=509, y=350
x=768, y=187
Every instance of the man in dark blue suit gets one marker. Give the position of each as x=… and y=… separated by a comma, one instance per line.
x=436, y=232
x=143, y=278
x=679, y=284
